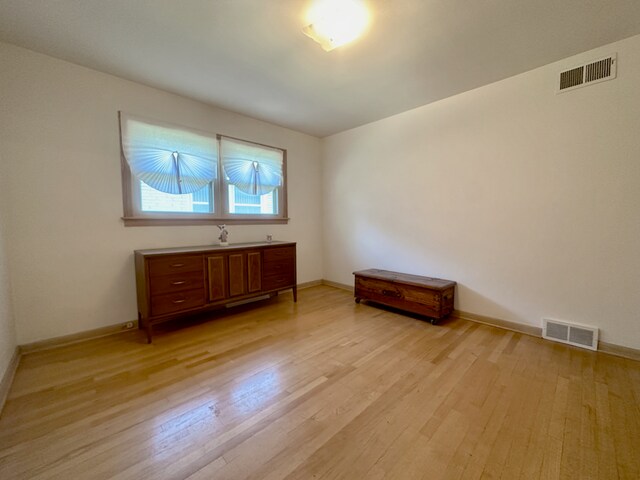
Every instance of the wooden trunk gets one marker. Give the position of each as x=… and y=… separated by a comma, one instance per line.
x=432, y=297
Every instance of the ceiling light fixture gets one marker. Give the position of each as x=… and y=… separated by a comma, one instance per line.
x=333, y=23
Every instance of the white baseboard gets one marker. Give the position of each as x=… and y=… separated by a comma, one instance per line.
x=341, y=286
x=7, y=378
x=619, y=350
x=312, y=283
x=497, y=322
x=77, y=337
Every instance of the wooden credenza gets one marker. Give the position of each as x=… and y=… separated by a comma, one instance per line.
x=172, y=282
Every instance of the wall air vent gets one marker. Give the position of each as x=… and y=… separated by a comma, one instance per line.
x=570, y=333
x=589, y=73
x=572, y=78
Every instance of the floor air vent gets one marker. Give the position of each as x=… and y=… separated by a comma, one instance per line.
x=571, y=333
x=587, y=74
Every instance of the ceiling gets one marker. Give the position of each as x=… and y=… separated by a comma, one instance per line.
x=250, y=56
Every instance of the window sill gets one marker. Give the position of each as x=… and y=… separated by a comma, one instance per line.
x=168, y=221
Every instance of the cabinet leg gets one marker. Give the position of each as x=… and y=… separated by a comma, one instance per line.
x=358, y=299
x=149, y=332
x=295, y=294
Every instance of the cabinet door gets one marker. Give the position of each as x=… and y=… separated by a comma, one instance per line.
x=237, y=276
x=217, y=278
x=254, y=272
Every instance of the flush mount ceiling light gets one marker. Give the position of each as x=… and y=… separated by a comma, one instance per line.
x=333, y=23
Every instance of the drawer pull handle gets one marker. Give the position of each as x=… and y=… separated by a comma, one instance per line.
x=391, y=293
x=181, y=282
x=180, y=301
x=177, y=265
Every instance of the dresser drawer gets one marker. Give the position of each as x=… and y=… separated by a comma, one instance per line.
x=272, y=282
x=276, y=255
x=175, y=264
x=176, y=302
x=177, y=282
x=286, y=266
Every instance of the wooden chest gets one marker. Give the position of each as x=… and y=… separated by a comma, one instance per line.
x=432, y=297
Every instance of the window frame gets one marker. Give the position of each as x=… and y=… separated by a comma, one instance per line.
x=134, y=216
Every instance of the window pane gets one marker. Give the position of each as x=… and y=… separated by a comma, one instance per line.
x=152, y=200
x=242, y=203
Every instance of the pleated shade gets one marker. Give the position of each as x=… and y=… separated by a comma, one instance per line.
x=251, y=168
x=168, y=158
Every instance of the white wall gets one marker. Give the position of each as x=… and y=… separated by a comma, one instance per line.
x=70, y=255
x=530, y=200
x=7, y=324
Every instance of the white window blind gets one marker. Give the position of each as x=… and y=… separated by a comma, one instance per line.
x=169, y=158
x=253, y=169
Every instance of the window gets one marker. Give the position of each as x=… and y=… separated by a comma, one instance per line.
x=152, y=200
x=243, y=203
x=174, y=175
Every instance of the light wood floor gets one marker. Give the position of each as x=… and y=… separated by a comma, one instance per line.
x=322, y=389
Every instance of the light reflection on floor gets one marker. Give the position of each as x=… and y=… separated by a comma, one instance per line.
x=193, y=422
x=214, y=414
x=254, y=393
